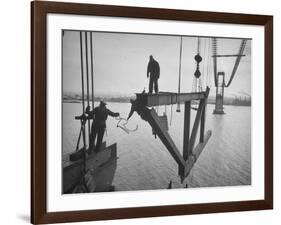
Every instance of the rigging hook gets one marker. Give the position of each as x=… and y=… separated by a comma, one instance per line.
x=123, y=125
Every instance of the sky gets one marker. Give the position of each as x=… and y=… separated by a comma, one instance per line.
x=120, y=63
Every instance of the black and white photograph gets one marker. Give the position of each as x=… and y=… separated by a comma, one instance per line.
x=154, y=111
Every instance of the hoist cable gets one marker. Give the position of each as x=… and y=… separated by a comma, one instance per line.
x=92, y=69
x=208, y=63
x=204, y=63
x=87, y=67
x=198, y=46
x=87, y=81
x=82, y=70
x=197, y=72
x=179, y=84
x=83, y=104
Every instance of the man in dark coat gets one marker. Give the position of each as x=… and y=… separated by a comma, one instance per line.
x=99, y=114
x=153, y=72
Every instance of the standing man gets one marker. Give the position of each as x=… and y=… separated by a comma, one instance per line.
x=99, y=114
x=153, y=72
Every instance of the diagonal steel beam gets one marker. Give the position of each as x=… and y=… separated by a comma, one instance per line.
x=162, y=133
x=190, y=155
x=195, y=155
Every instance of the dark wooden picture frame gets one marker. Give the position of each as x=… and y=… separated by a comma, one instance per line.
x=39, y=11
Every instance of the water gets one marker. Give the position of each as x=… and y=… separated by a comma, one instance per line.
x=144, y=163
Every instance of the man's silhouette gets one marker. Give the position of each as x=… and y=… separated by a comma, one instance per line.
x=99, y=114
x=153, y=72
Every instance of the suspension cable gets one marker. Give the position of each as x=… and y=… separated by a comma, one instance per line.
x=238, y=59
x=215, y=60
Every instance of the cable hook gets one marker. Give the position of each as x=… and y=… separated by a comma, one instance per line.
x=123, y=126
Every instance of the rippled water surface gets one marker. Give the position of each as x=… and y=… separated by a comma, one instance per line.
x=144, y=163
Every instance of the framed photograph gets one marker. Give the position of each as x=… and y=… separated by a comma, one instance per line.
x=144, y=112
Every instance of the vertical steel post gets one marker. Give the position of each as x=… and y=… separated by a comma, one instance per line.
x=202, y=123
x=196, y=125
x=217, y=92
x=223, y=87
x=186, y=132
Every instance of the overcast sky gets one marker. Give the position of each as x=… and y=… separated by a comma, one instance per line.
x=120, y=63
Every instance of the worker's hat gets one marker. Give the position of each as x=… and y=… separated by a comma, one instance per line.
x=103, y=103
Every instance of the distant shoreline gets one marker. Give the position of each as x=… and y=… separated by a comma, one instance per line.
x=127, y=100
x=97, y=99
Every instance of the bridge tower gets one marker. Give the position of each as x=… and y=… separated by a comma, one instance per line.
x=219, y=94
x=219, y=77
